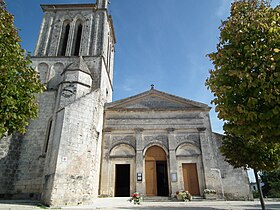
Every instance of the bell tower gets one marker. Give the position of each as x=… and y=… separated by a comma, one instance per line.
x=71, y=33
x=74, y=56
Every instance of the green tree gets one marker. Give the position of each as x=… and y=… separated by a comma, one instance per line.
x=271, y=180
x=19, y=82
x=246, y=84
x=253, y=153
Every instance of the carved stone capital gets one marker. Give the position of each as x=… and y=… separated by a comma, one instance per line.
x=170, y=130
x=138, y=130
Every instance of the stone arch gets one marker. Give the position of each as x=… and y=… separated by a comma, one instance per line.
x=190, y=165
x=187, y=150
x=79, y=17
x=155, y=144
x=122, y=150
x=57, y=69
x=156, y=171
x=55, y=75
x=120, y=168
x=155, y=152
x=65, y=17
x=43, y=70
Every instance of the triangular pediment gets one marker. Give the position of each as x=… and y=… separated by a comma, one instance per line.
x=154, y=99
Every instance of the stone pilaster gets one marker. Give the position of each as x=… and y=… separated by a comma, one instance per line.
x=207, y=158
x=86, y=36
x=172, y=161
x=140, y=185
x=48, y=36
x=41, y=36
x=105, y=169
x=102, y=4
x=55, y=38
x=70, y=38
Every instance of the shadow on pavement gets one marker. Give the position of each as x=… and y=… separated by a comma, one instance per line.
x=258, y=206
x=167, y=208
x=22, y=202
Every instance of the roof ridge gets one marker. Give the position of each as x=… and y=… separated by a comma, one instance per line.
x=178, y=99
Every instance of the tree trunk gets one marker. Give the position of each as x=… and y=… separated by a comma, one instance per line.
x=259, y=189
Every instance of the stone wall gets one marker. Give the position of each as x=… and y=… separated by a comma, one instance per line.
x=22, y=159
x=72, y=176
x=59, y=156
x=51, y=27
x=235, y=180
x=175, y=131
x=97, y=37
x=182, y=129
x=9, y=157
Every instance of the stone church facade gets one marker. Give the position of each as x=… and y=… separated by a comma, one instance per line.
x=83, y=145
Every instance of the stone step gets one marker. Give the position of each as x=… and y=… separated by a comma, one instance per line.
x=167, y=199
x=198, y=198
x=157, y=199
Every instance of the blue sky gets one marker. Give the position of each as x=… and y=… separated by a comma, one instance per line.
x=160, y=42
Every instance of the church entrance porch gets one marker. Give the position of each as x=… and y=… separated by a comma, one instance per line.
x=122, y=184
x=156, y=172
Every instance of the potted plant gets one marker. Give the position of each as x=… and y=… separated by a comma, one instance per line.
x=210, y=194
x=183, y=195
x=136, y=198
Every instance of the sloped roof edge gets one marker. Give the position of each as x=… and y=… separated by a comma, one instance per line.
x=181, y=100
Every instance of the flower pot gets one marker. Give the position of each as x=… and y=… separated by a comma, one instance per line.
x=210, y=196
x=183, y=196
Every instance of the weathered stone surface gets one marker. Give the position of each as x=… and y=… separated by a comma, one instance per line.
x=77, y=139
x=234, y=180
x=24, y=159
x=181, y=128
x=58, y=159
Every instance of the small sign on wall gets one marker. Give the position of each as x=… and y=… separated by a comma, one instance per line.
x=174, y=177
x=139, y=177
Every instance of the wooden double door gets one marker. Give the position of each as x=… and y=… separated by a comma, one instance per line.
x=156, y=172
x=191, y=178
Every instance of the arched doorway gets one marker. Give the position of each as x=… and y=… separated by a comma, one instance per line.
x=156, y=172
x=189, y=157
x=122, y=157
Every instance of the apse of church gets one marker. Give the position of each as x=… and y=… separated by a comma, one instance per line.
x=83, y=145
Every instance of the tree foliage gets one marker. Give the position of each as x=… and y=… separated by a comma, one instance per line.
x=18, y=80
x=271, y=182
x=254, y=153
x=246, y=84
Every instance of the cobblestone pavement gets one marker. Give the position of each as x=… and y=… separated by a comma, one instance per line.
x=123, y=204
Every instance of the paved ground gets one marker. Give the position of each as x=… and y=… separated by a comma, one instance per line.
x=123, y=204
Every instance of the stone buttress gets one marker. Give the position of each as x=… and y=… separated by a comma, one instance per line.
x=58, y=159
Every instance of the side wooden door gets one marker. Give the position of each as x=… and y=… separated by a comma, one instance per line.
x=191, y=178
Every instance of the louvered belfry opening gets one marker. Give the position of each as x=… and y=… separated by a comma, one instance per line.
x=77, y=39
x=64, y=39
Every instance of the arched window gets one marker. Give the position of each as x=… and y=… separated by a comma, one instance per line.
x=77, y=39
x=64, y=38
x=108, y=54
x=47, y=139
